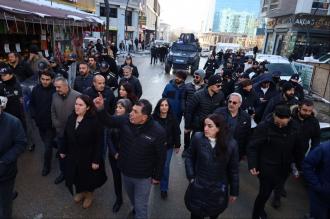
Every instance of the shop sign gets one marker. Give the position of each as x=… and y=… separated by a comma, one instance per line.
x=316, y=22
x=142, y=20
x=306, y=73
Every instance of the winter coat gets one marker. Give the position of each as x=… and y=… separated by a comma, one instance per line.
x=13, y=143
x=135, y=71
x=13, y=91
x=172, y=128
x=108, y=96
x=200, y=106
x=316, y=167
x=135, y=84
x=22, y=71
x=214, y=177
x=40, y=105
x=271, y=149
x=310, y=130
x=242, y=131
x=142, y=147
x=174, y=93
x=298, y=91
x=278, y=100
x=249, y=99
x=111, y=80
x=211, y=66
x=81, y=83
x=188, y=93
x=82, y=147
x=61, y=109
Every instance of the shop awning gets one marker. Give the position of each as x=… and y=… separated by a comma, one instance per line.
x=39, y=11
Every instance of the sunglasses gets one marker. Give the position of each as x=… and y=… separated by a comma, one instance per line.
x=233, y=102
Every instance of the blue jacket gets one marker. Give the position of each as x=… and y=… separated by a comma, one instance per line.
x=174, y=95
x=12, y=144
x=316, y=167
x=82, y=83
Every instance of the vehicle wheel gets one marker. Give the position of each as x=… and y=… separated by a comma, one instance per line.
x=167, y=68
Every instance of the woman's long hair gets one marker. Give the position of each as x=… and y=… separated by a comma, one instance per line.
x=222, y=135
x=128, y=57
x=130, y=92
x=89, y=103
x=156, y=112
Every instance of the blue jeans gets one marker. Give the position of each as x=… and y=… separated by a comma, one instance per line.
x=166, y=171
x=319, y=208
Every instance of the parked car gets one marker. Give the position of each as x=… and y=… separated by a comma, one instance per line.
x=325, y=131
x=205, y=52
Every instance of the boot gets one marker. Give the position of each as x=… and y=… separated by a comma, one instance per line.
x=88, y=200
x=276, y=203
x=78, y=197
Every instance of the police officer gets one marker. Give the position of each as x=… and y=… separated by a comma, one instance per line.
x=111, y=79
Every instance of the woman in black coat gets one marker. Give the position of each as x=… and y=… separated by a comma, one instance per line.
x=129, y=61
x=163, y=115
x=123, y=107
x=81, y=151
x=212, y=170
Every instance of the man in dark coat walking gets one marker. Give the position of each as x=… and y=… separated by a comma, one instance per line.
x=275, y=143
x=129, y=78
x=13, y=142
x=142, y=152
x=40, y=107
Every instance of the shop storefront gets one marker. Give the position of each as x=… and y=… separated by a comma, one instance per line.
x=298, y=35
x=56, y=32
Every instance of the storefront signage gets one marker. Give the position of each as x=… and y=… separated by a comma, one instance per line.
x=316, y=22
x=142, y=20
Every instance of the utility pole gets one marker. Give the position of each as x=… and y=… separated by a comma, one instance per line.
x=107, y=12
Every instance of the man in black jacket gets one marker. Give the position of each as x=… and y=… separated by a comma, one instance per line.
x=275, y=143
x=22, y=70
x=40, y=107
x=203, y=103
x=286, y=97
x=239, y=121
x=12, y=144
x=111, y=78
x=142, y=152
x=128, y=77
x=250, y=99
x=190, y=89
x=84, y=79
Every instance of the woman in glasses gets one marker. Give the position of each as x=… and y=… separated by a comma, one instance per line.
x=212, y=170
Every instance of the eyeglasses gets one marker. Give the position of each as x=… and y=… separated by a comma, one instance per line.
x=233, y=102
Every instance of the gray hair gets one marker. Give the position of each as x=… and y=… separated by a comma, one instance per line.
x=63, y=79
x=237, y=95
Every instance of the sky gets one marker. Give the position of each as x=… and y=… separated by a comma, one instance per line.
x=184, y=13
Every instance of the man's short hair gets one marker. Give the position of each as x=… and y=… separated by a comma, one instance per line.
x=63, y=79
x=146, y=106
x=83, y=63
x=48, y=74
x=306, y=103
x=237, y=95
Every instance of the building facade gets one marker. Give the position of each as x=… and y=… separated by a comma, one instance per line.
x=149, y=20
x=164, y=31
x=296, y=28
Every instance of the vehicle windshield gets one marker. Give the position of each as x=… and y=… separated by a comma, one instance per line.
x=184, y=47
x=324, y=57
x=286, y=69
x=325, y=134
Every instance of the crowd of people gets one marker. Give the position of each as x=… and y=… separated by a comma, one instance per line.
x=92, y=110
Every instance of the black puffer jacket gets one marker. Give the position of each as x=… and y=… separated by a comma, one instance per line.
x=201, y=105
x=310, y=130
x=142, y=149
x=249, y=99
x=172, y=128
x=188, y=93
x=207, y=195
x=242, y=131
x=278, y=100
x=272, y=149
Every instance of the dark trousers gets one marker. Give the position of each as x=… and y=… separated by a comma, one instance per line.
x=199, y=217
x=187, y=137
x=319, y=208
x=59, y=142
x=279, y=188
x=154, y=59
x=47, y=137
x=6, y=198
x=116, y=178
x=266, y=186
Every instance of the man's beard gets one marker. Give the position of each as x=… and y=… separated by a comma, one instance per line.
x=304, y=116
x=289, y=96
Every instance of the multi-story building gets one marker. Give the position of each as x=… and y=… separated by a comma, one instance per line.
x=149, y=20
x=85, y=5
x=123, y=19
x=234, y=15
x=296, y=27
x=164, y=31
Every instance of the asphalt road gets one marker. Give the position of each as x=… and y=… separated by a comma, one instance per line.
x=39, y=197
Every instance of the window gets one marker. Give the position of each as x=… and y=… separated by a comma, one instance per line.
x=128, y=19
x=112, y=12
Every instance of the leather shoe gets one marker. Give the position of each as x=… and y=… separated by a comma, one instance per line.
x=116, y=206
x=59, y=179
x=276, y=203
x=163, y=195
x=45, y=171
